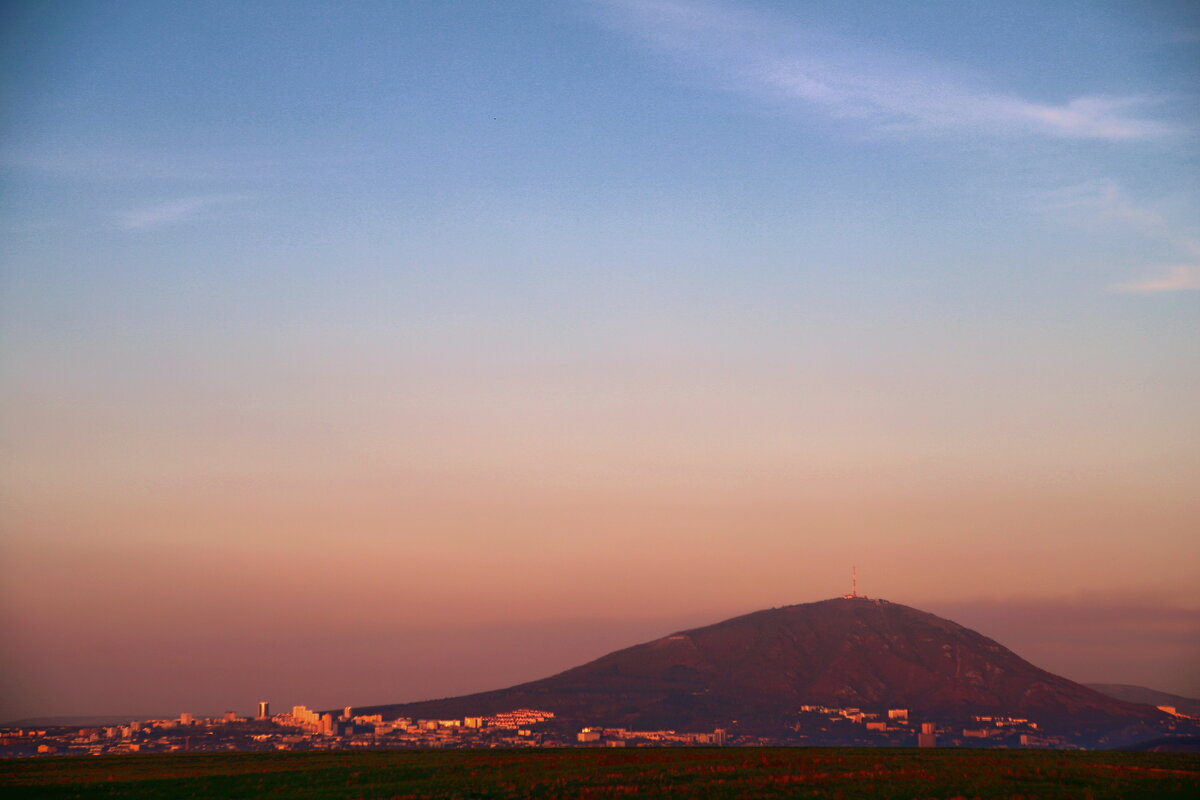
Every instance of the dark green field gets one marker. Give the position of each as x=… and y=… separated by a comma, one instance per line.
x=601, y=773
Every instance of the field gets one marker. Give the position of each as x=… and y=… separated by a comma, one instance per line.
x=612, y=773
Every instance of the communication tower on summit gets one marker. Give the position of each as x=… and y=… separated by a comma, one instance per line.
x=853, y=585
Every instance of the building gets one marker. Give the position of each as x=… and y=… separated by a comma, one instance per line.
x=264, y=709
x=303, y=715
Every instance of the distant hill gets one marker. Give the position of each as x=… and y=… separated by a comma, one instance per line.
x=1140, y=694
x=758, y=669
x=71, y=722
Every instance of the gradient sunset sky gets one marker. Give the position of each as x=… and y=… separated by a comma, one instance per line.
x=368, y=352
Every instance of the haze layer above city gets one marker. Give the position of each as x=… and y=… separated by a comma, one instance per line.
x=365, y=353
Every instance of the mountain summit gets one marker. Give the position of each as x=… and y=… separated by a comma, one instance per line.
x=756, y=671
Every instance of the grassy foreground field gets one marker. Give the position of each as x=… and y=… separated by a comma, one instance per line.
x=605, y=773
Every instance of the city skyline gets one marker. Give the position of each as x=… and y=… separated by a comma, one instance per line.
x=370, y=353
x=860, y=671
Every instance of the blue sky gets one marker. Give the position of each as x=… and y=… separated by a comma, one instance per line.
x=882, y=145
x=466, y=284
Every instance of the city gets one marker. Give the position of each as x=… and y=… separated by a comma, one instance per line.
x=304, y=729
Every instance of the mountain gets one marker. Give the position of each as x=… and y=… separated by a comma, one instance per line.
x=755, y=671
x=1153, y=697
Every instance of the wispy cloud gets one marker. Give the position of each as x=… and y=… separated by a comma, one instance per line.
x=845, y=79
x=1104, y=202
x=171, y=212
x=1177, y=279
x=900, y=101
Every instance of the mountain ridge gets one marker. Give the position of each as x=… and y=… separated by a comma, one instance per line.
x=1132, y=693
x=755, y=670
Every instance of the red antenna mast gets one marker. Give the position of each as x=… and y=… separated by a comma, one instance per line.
x=853, y=584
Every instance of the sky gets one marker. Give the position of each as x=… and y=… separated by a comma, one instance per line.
x=365, y=352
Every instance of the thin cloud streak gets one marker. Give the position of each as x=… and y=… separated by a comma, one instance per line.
x=1177, y=279
x=169, y=213
x=1103, y=201
x=900, y=103
x=845, y=80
